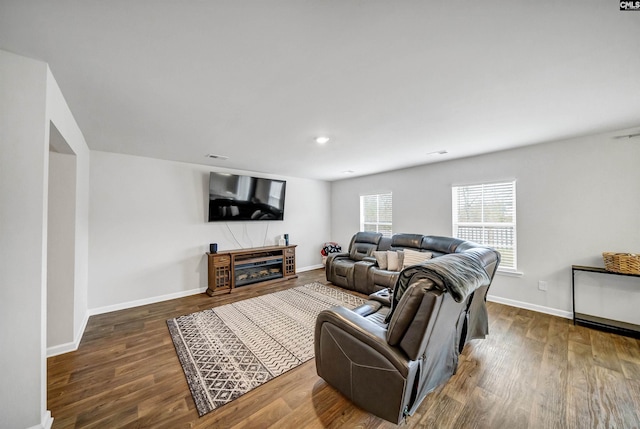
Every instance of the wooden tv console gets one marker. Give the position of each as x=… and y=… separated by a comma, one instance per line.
x=243, y=267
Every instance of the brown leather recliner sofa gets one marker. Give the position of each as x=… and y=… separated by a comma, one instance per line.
x=390, y=352
x=340, y=267
x=358, y=270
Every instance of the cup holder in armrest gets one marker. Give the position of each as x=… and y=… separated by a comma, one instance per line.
x=383, y=296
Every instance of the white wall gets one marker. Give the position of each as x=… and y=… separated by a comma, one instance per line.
x=61, y=249
x=71, y=141
x=30, y=101
x=23, y=178
x=575, y=199
x=149, y=232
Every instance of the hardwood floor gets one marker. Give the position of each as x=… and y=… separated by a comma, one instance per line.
x=533, y=371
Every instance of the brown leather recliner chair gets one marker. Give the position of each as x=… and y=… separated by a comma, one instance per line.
x=340, y=266
x=389, y=353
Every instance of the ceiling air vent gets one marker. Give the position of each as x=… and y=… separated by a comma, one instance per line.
x=627, y=136
x=213, y=156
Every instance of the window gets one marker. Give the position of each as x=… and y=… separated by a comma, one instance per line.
x=486, y=214
x=375, y=213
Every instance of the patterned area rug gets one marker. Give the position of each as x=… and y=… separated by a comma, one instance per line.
x=229, y=350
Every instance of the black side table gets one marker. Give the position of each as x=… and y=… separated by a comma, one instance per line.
x=622, y=328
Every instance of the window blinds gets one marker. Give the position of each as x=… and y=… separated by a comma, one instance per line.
x=486, y=214
x=375, y=213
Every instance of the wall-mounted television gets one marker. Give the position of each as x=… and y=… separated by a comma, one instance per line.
x=235, y=197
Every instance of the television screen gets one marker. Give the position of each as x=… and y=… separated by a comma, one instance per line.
x=235, y=197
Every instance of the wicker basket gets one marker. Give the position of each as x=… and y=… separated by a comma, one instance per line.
x=624, y=263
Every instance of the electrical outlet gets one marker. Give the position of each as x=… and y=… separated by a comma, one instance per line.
x=542, y=285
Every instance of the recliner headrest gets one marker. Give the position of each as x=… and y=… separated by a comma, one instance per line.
x=406, y=240
x=359, y=251
x=385, y=243
x=446, y=244
x=367, y=237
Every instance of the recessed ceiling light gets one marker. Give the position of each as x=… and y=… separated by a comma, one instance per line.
x=213, y=156
x=322, y=139
x=348, y=172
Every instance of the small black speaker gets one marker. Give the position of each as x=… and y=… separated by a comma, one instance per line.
x=213, y=248
x=286, y=239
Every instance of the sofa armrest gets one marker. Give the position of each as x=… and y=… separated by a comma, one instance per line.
x=364, y=331
x=369, y=307
x=382, y=296
x=360, y=275
x=371, y=259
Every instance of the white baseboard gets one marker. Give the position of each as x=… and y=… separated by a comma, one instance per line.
x=532, y=307
x=145, y=301
x=47, y=420
x=46, y=423
x=73, y=346
x=61, y=349
x=309, y=268
x=153, y=300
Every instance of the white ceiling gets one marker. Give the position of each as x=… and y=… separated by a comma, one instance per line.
x=388, y=81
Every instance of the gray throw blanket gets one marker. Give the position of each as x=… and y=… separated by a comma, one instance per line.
x=458, y=273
